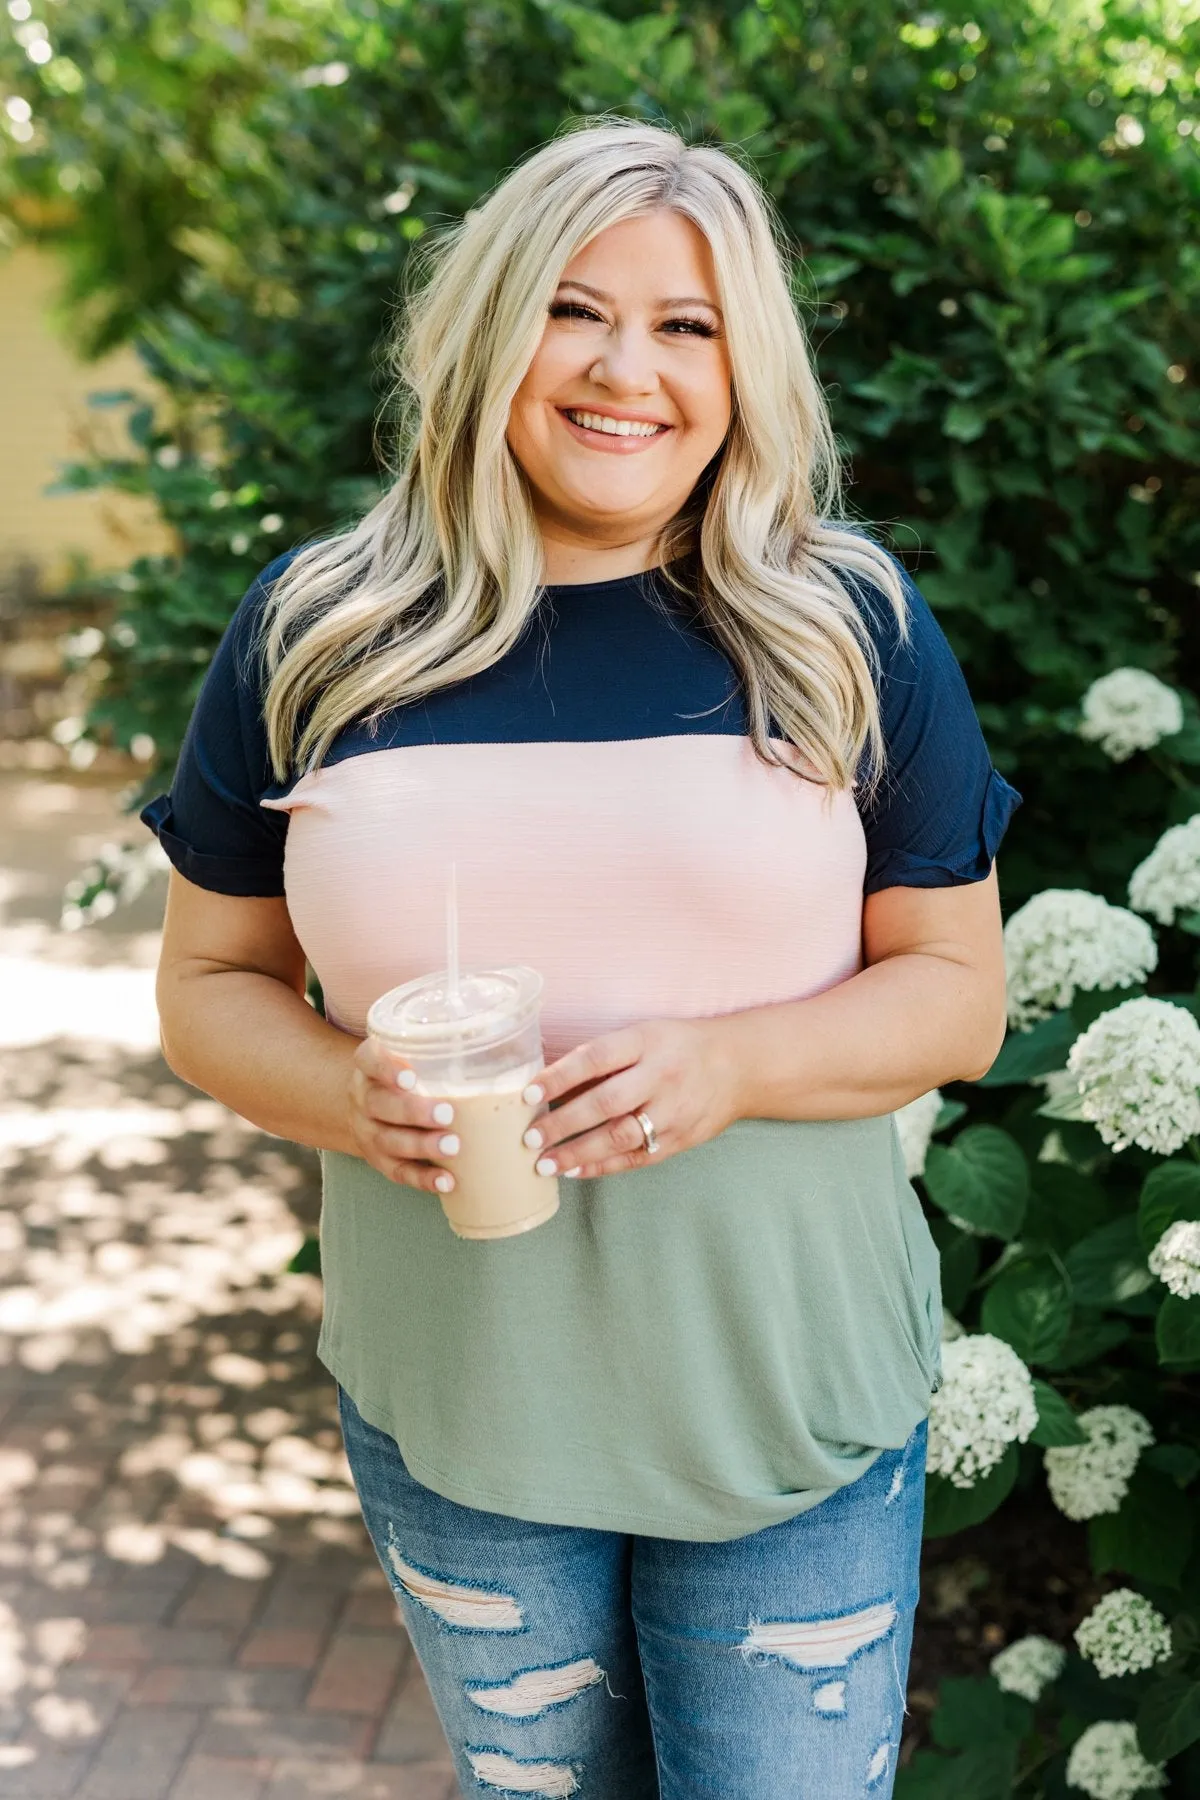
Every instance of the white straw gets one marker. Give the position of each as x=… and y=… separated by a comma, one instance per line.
x=452, y=935
x=454, y=992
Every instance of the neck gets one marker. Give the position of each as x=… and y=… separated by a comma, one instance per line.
x=569, y=561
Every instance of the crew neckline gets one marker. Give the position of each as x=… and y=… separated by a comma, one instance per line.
x=641, y=579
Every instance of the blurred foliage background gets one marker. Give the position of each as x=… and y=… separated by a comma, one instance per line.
x=996, y=206
x=996, y=209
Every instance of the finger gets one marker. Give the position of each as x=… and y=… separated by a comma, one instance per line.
x=381, y=1064
x=610, y=1099
x=417, y=1175
x=614, y=1165
x=590, y=1062
x=620, y=1138
x=401, y=1145
x=390, y=1107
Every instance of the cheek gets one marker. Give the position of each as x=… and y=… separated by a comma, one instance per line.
x=709, y=402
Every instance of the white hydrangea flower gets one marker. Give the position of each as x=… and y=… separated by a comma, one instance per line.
x=1123, y=1634
x=1028, y=1666
x=1138, y=1067
x=1168, y=880
x=984, y=1404
x=1064, y=941
x=915, y=1123
x=1107, y=1763
x=1175, y=1259
x=1128, y=710
x=1092, y=1478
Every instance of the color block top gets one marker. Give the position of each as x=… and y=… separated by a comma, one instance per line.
x=711, y=1344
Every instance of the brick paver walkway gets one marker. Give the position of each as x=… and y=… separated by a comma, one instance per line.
x=189, y=1606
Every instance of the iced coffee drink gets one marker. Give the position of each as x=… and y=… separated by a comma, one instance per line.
x=477, y=1043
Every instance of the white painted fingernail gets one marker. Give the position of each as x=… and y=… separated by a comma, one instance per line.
x=405, y=1078
x=571, y=1174
x=448, y=1145
x=546, y=1165
x=443, y=1183
x=443, y=1113
x=533, y=1138
x=533, y=1095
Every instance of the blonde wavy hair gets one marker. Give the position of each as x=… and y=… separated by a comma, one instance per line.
x=437, y=581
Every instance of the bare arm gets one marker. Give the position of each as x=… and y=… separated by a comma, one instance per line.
x=927, y=1007
x=235, y=1023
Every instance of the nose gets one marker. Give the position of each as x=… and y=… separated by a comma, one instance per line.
x=626, y=364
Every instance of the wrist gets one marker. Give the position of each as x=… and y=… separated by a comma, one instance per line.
x=724, y=1053
x=346, y=1079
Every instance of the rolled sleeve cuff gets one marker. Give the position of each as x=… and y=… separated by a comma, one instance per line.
x=895, y=867
x=249, y=877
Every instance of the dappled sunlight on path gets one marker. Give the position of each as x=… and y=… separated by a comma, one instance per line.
x=188, y=1602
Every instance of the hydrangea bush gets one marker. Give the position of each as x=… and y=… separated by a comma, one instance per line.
x=1064, y=1194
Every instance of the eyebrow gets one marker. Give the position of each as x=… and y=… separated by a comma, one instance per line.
x=676, y=300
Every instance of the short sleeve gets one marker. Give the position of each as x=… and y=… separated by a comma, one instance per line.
x=941, y=808
x=211, y=824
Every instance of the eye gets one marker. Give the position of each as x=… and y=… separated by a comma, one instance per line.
x=571, y=309
x=690, y=327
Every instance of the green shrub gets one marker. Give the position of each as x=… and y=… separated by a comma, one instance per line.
x=997, y=209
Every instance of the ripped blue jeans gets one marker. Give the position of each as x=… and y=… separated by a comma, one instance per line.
x=567, y=1661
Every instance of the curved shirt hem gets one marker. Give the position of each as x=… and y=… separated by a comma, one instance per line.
x=571, y=1513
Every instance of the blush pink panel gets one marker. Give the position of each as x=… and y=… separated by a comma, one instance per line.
x=671, y=877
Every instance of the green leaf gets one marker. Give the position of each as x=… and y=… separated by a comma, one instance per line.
x=1109, y=1265
x=986, y=1772
x=959, y=1253
x=1089, y=1003
x=1170, y=1192
x=1179, y=1461
x=1029, y=1306
x=1087, y=1341
x=972, y=1710
x=1065, y=1205
x=1039, y=1051
x=1056, y=1423
x=1150, y=1536
x=949, y=1508
x=1168, y=1718
x=307, y=1260
x=949, y=1113
x=962, y=419
x=981, y=1177
x=1185, y=745
x=1177, y=1331
x=1067, y=1105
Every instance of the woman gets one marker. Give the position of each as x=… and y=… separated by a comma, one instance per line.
x=647, y=1480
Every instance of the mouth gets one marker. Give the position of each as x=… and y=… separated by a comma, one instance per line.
x=604, y=431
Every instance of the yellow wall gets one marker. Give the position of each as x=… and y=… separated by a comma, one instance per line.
x=46, y=421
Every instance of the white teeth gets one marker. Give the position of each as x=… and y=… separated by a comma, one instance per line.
x=613, y=427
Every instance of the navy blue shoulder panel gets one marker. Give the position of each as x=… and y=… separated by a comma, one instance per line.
x=211, y=824
x=598, y=662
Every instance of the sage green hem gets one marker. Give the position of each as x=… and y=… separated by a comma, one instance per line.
x=541, y=1509
x=698, y=1349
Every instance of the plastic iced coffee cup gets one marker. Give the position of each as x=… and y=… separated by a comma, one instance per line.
x=479, y=1048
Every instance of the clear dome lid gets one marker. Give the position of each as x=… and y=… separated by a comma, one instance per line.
x=490, y=1006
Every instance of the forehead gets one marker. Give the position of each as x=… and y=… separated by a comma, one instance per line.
x=655, y=256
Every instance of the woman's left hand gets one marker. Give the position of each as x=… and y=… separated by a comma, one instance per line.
x=673, y=1070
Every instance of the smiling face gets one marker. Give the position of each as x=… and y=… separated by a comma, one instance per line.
x=628, y=396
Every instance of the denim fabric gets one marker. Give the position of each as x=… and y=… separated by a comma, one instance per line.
x=569, y=1661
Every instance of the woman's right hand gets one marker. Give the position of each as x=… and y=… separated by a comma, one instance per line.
x=408, y=1137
